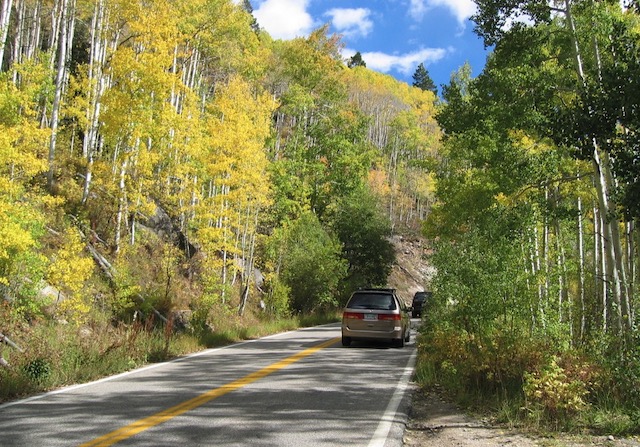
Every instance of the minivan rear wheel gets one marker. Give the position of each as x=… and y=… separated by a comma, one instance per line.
x=346, y=341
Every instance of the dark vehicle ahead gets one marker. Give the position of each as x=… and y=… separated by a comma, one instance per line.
x=375, y=314
x=418, y=303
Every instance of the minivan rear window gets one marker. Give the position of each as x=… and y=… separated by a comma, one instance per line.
x=377, y=301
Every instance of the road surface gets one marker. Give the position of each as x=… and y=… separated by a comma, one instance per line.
x=300, y=388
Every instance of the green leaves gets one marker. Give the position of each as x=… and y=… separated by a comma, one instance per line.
x=311, y=265
x=529, y=235
x=364, y=232
x=495, y=17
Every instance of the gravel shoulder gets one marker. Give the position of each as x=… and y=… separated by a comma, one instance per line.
x=434, y=421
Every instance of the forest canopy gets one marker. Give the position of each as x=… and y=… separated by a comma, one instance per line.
x=150, y=145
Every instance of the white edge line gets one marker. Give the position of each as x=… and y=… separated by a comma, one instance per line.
x=146, y=368
x=379, y=437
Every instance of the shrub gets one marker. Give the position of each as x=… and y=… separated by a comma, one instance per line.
x=624, y=375
x=276, y=301
x=558, y=392
x=311, y=266
x=38, y=370
x=485, y=364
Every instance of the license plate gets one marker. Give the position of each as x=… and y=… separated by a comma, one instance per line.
x=371, y=317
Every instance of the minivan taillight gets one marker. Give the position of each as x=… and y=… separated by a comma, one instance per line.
x=353, y=315
x=389, y=317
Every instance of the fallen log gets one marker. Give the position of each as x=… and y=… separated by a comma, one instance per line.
x=7, y=340
x=108, y=269
x=155, y=311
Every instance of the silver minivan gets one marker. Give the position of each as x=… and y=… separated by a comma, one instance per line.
x=375, y=314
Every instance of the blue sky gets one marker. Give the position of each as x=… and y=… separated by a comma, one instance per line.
x=393, y=36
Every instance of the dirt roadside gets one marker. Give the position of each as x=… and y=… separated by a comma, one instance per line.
x=434, y=421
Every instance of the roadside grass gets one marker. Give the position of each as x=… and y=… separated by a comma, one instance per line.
x=510, y=411
x=613, y=421
x=57, y=355
x=560, y=404
x=248, y=328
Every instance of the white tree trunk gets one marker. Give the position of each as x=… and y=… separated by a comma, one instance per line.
x=55, y=111
x=122, y=204
x=18, y=37
x=97, y=85
x=5, y=16
x=581, y=270
x=616, y=274
x=600, y=267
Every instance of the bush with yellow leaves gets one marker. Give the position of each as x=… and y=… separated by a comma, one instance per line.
x=557, y=392
x=69, y=270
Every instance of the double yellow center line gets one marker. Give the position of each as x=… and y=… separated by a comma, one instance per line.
x=170, y=413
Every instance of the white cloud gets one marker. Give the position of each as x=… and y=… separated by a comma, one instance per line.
x=524, y=19
x=351, y=22
x=284, y=19
x=417, y=9
x=461, y=9
x=402, y=63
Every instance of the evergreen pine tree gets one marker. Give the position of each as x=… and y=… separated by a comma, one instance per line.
x=422, y=80
x=356, y=61
x=246, y=5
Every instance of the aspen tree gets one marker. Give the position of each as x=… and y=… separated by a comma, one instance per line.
x=235, y=165
x=22, y=159
x=96, y=84
x=5, y=16
x=66, y=18
x=585, y=27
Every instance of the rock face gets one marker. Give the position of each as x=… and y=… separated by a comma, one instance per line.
x=162, y=224
x=411, y=272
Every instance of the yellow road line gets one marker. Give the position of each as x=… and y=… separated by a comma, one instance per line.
x=163, y=416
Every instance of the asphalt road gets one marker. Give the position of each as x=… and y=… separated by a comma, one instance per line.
x=300, y=388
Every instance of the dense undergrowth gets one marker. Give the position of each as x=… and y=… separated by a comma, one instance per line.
x=531, y=382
